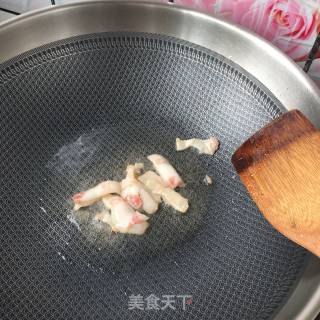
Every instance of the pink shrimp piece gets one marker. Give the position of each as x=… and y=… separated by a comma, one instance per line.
x=173, y=182
x=153, y=184
x=175, y=200
x=136, y=194
x=138, y=229
x=123, y=217
x=134, y=200
x=166, y=171
x=207, y=146
x=137, y=218
x=89, y=197
x=77, y=197
x=130, y=189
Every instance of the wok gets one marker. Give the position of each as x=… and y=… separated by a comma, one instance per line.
x=87, y=88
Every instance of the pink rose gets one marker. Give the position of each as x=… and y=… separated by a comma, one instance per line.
x=286, y=23
x=290, y=26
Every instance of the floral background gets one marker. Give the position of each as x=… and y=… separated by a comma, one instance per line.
x=292, y=25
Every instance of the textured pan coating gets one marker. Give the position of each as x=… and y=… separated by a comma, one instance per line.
x=70, y=115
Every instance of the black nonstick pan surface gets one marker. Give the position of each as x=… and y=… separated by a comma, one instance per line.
x=76, y=112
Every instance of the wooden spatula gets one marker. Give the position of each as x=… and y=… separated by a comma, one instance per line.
x=280, y=167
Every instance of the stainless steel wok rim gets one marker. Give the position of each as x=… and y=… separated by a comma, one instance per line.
x=291, y=87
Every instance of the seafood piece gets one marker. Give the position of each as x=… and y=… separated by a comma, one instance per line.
x=208, y=146
x=149, y=204
x=136, y=194
x=89, y=197
x=123, y=217
x=153, y=184
x=139, y=228
x=207, y=180
x=175, y=200
x=166, y=171
x=130, y=189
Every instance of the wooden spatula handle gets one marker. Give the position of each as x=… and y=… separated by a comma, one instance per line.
x=280, y=166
